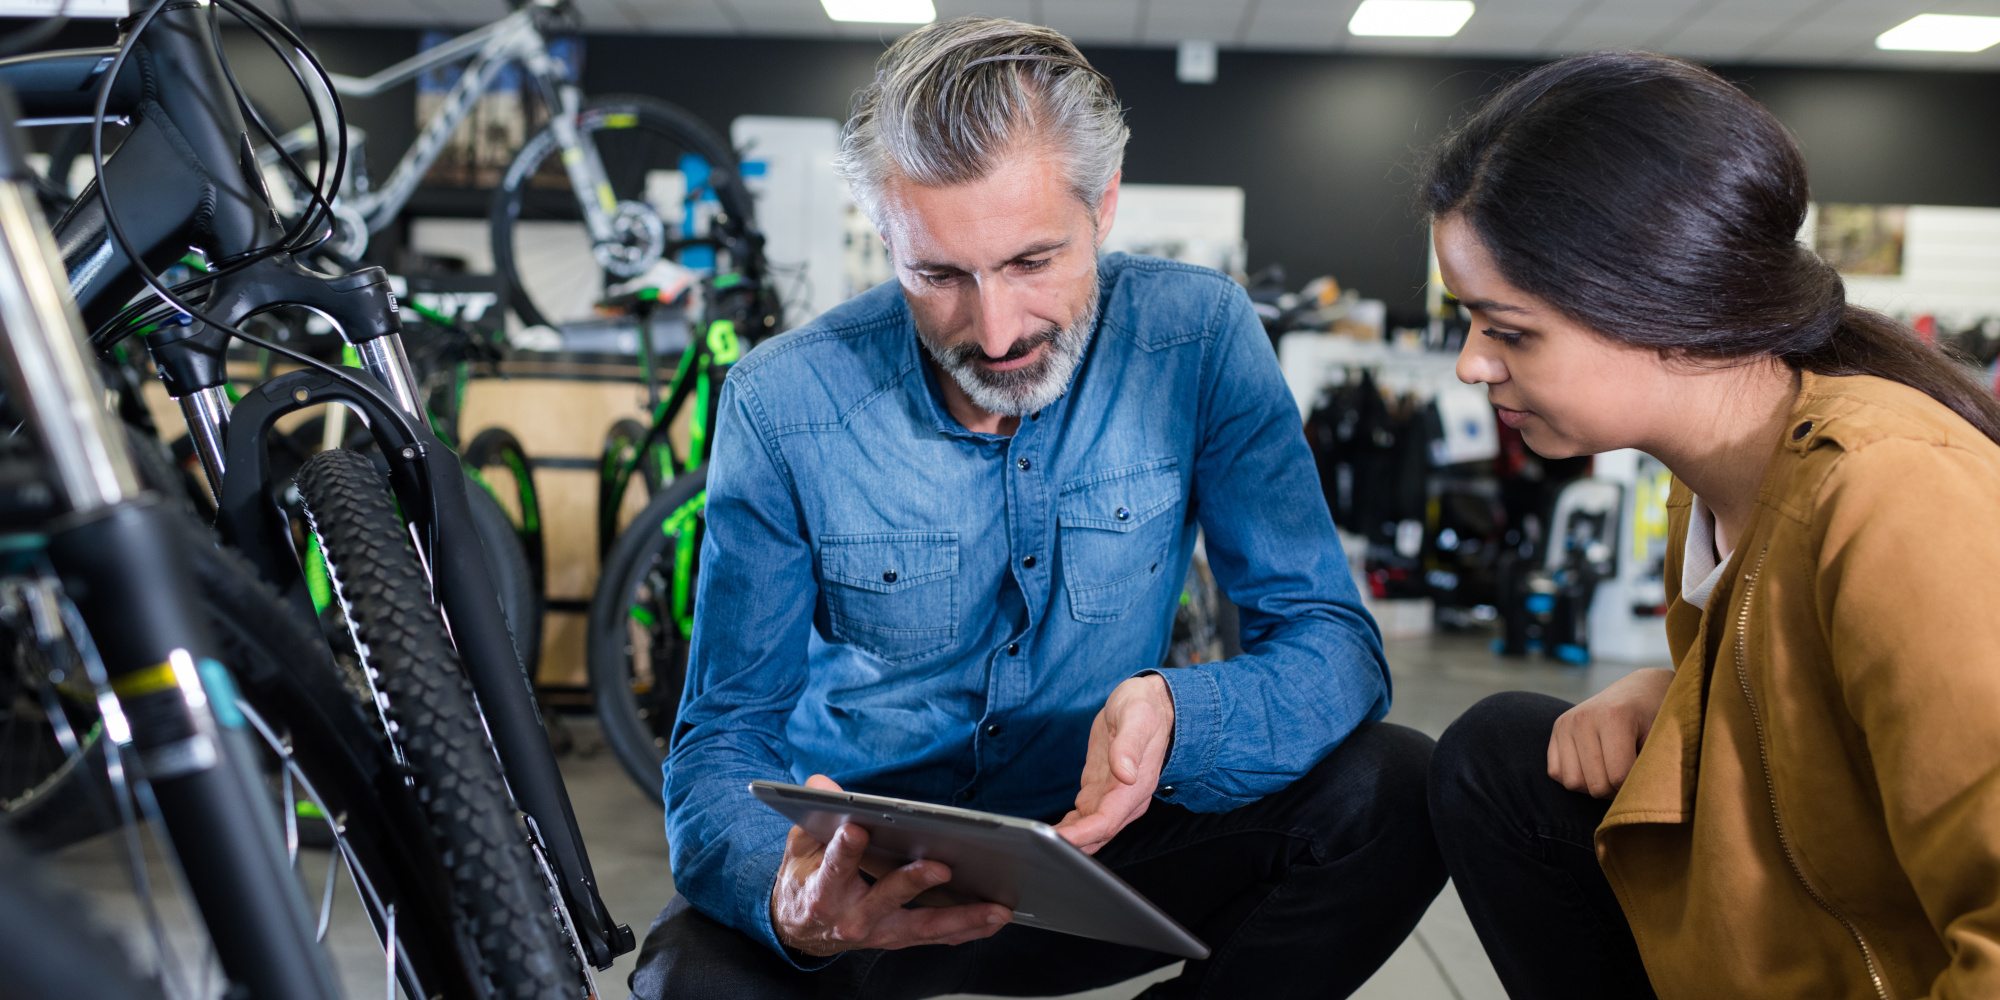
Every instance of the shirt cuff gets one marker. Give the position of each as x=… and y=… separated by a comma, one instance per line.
x=1197, y=729
x=758, y=880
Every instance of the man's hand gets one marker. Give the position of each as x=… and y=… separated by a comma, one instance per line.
x=1594, y=744
x=1128, y=747
x=822, y=906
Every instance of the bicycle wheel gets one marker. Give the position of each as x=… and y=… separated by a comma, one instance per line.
x=621, y=450
x=428, y=713
x=521, y=605
x=325, y=757
x=330, y=758
x=54, y=951
x=640, y=620
x=554, y=273
x=496, y=448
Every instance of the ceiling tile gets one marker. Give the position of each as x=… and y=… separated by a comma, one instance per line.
x=1105, y=22
x=1291, y=28
x=1172, y=21
x=784, y=17
x=1018, y=10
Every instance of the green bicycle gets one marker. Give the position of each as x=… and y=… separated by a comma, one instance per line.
x=642, y=613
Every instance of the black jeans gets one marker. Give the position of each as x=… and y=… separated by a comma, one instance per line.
x=1519, y=848
x=1303, y=893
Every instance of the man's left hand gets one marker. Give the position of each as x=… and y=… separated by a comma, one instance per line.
x=1128, y=746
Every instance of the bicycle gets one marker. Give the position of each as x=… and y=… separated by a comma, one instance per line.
x=605, y=150
x=642, y=610
x=96, y=601
x=484, y=929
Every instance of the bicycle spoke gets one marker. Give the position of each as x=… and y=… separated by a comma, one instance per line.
x=333, y=863
x=389, y=987
x=291, y=820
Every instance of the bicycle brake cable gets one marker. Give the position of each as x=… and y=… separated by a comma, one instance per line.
x=322, y=205
x=299, y=46
x=125, y=244
x=308, y=221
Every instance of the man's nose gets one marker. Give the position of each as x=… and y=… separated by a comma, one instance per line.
x=1477, y=361
x=1002, y=316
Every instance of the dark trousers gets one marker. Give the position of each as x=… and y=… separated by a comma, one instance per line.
x=1519, y=848
x=1303, y=893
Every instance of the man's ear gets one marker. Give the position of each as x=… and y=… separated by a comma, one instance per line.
x=1107, y=208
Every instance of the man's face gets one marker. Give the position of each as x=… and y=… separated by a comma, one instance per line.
x=1001, y=276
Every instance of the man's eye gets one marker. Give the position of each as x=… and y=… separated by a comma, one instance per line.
x=938, y=279
x=1033, y=265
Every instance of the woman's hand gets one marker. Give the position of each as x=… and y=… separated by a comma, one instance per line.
x=1595, y=743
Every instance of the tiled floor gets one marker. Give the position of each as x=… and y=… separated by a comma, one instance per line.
x=1436, y=679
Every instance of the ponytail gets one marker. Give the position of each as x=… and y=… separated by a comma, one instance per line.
x=1869, y=343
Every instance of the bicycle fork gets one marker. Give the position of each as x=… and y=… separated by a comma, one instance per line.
x=191, y=356
x=191, y=362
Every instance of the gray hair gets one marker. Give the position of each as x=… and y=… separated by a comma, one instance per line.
x=950, y=98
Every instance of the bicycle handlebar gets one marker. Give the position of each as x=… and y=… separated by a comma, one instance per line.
x=186, y=172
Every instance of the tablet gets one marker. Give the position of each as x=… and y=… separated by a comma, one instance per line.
x=1018, y=863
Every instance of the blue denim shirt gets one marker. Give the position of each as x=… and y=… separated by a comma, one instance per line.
x=917, y=610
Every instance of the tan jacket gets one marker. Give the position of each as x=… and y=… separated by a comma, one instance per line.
x=1816, y=812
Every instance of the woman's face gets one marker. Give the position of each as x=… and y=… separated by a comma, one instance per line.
x=1568, y=389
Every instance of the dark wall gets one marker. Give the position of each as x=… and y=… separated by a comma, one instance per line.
x=1325, y=146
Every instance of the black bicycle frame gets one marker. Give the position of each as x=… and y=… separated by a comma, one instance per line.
x=185, y=177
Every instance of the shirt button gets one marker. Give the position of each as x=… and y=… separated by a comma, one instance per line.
x=1166, y=791
x=1122, y=514
x=993, y=730
x=1037, y=415
x=889, y=577
x=1013, y=649
x=1023, y=464
x=1028, y=562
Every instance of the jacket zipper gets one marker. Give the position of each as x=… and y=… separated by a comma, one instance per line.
x=1771, y=786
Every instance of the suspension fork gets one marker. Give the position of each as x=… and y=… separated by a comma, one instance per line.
x=117, y=551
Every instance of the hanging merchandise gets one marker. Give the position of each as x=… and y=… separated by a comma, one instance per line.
x=1412, y=484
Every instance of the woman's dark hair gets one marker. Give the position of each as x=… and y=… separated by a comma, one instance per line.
x=1654, y=202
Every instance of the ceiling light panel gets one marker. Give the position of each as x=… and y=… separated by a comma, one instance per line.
x=1410, y=18
x=1942, y=33
x=881, y=11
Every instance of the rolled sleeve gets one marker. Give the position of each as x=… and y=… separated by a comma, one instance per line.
x=1312, y=667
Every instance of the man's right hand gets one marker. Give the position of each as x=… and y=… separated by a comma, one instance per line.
x=822, y=906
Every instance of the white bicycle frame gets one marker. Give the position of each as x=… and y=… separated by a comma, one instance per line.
x=512, y=39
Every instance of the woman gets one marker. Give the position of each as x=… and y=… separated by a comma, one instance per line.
x=1808, y=804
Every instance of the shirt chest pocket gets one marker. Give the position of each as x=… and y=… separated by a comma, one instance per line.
x=893, y=594
x=1115, y=528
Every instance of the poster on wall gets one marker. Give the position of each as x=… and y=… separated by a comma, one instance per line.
x=501, y=120
x=1862, y=239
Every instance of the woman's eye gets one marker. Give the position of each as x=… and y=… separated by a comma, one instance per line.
x=1508, y=337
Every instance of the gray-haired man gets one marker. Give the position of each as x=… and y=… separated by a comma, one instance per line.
x=947, y=525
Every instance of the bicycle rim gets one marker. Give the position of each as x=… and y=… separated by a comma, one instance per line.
x=539, y=245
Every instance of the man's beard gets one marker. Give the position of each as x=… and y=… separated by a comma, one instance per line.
x=1017, y=392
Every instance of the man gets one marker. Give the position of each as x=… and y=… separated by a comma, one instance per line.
x=947, y=528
